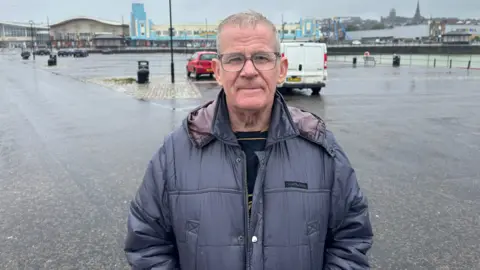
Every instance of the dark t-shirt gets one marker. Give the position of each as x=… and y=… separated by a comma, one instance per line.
x=251, y=142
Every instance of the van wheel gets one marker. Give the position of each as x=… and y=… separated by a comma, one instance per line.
x=316, y=91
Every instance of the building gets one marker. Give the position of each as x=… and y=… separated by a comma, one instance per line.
x=464, y=28
x=457, y=38
x=79, y=31
x=143, y=31
x=108, y=41
x=20, y=35
x=409, y=32
x=432, y=31
x=417, y=17
x=140, y=25
x=205, y=34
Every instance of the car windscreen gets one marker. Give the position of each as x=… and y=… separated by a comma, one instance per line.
x=208, y=56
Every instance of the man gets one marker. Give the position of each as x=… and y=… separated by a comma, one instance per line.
x=247, y=182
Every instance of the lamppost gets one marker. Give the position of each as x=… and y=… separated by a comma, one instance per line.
x=171, y=42
x=206, y=32
x=31, y=33
x=49, y=37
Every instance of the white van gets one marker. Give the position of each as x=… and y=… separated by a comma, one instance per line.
x=307, y=66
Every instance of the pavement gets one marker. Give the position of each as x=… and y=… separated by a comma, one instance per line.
x=73, y=151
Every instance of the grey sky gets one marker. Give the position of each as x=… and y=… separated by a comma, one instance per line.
x=185, y=11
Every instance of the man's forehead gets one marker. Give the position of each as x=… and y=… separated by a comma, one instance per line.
x=231, y=33
x=239, y=27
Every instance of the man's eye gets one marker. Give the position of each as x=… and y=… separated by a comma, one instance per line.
x=261, y=58
x=234, y=60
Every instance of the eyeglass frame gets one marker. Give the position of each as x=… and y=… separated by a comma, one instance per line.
x=277, y=55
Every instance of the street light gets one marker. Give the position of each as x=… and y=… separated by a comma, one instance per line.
x=171, y=42
x=31, y=33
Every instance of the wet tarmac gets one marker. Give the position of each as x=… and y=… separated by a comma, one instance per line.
x=72, y=154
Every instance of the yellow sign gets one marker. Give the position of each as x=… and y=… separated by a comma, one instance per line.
x=209, y=33
x=294, y=79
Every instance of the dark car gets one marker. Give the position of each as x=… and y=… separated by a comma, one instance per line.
x=107, y=51
x=65, y=52
x=25, y=55
x=41, y=52
x=80, y=53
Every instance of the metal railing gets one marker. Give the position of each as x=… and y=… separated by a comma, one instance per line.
x=418, y=60
x=336, y=45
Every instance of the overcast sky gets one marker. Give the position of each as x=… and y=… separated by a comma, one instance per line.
x=185, y=11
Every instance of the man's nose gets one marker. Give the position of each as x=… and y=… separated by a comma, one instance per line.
x=249, y=69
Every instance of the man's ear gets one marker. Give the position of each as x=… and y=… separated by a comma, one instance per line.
x=217, y=70
x=283, y=70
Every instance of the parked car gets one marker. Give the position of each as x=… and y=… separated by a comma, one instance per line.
x=25, y=55
x=107, y=51
x=41, y=52
x=200, y=63
x=80, y=53
x=65, y=52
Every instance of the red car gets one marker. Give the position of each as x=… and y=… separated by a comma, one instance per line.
x=200, y=63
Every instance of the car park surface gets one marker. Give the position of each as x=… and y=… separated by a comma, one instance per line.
x=72, y=154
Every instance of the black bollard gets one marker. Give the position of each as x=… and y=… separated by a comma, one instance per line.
x=354, y=61
x=469, y=63
x=396, y=61
x=434, y=62
x=143, y=72
x=52, y=61
x=450, y=63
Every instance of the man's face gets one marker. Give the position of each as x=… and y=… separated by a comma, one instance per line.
x=253, y=86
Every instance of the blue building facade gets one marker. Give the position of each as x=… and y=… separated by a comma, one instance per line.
x=309, y=28
x=144, y=33
x=140, y=25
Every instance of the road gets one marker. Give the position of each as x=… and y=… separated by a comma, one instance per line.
x=72, y=155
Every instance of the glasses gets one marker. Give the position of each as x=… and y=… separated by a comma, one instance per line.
x=262, y=61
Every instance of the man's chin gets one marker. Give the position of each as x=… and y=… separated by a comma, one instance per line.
x=251, y=103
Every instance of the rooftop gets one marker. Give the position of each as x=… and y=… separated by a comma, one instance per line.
x=24, y=24
x=114, y=23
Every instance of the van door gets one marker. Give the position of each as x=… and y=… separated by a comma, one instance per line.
x=314, y=60
x=296, y=58
x=306, y=62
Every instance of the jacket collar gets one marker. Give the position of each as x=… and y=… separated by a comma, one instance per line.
x=211, y=121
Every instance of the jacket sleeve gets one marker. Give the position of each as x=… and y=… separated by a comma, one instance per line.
x=150, y=242
x=350, y=235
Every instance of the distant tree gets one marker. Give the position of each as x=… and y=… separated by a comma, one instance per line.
x=352, y=27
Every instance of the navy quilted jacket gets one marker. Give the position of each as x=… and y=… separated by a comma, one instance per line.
x=190, y=211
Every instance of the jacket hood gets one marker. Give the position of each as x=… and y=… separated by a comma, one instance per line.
x=210, y=121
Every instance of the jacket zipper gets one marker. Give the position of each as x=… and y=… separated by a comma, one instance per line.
x=245, y=208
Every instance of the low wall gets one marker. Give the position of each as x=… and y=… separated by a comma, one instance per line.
x=444, y=50
x=156, y=50
x=333, y=50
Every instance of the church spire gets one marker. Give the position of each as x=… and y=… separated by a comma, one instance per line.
x=417, y=17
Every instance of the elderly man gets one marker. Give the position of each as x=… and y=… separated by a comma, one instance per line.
x=248, y=182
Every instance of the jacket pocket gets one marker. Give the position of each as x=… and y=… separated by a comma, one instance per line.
x=191, y=239
x=315, y=244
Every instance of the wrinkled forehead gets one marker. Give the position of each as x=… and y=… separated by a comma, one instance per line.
x=247, y=38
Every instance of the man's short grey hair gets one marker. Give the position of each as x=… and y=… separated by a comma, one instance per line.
x=248, y=19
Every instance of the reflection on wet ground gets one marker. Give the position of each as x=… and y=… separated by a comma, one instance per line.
x=73, y=151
